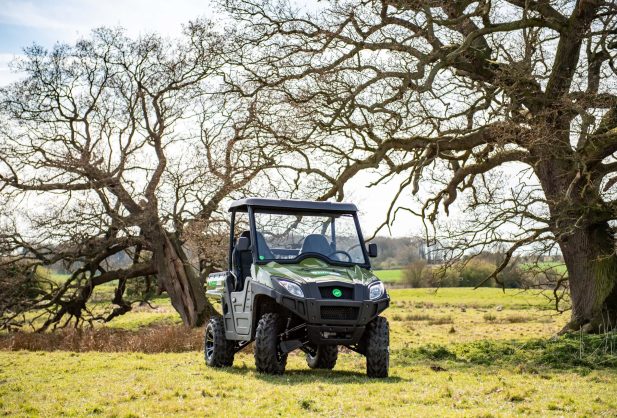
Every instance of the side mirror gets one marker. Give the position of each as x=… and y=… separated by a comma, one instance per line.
x=372, y=250
x=243, y=244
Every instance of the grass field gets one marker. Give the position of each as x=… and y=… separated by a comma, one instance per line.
x=389, y=276
x=546, y=266
x=454, y=352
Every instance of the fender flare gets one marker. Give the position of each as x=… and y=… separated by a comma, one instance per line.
x=258, y=289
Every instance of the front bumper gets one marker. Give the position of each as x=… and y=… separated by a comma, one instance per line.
x=334, y=321
x=334, y=335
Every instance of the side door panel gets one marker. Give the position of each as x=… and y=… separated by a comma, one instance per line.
x=241, y=305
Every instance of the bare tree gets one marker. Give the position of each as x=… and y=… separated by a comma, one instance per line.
x=118, y=146
x=440, y=95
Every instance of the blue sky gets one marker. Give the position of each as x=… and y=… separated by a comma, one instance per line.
x=24, y=22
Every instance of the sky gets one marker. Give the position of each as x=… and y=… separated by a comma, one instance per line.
x=47, y=22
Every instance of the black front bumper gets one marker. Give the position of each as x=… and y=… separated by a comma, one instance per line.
x=334, y=335
x=334, y=321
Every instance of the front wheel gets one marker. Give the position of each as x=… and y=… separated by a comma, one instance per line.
x=377, y=338
x=218, y=350
x=325, y=357
x=269, y=357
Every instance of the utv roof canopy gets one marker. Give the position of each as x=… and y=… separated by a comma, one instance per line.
x=242, y=205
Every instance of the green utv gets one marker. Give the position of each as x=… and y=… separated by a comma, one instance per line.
x=299, y=278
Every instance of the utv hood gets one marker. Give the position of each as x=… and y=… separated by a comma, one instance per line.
x=313, y=270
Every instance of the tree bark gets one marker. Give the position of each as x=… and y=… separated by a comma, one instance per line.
x=587, y=243
x=182, y=284
x=592, y=274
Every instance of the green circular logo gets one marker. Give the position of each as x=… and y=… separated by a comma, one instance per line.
x=337, y=293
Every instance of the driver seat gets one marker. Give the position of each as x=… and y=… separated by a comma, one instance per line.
x=241, y=261
x=316, y=243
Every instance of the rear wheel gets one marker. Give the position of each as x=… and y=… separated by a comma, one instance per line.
x=269, y=357
x=377, y=339
x=218, y=350
x=325, y=357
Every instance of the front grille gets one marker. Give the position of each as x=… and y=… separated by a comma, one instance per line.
x=326, y=292
x=339, y=313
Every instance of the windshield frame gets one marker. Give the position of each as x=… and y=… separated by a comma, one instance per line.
x=300, y=257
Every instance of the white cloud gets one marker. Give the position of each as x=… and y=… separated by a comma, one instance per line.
x=71, y=17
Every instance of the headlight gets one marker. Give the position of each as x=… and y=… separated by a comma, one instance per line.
x=375, y=290
x=292, y=288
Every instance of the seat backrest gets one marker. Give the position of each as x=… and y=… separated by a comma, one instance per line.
x=241, y=261
x=316, y=243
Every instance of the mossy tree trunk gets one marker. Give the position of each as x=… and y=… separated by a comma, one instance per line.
x=579, y=223
x=589, y=254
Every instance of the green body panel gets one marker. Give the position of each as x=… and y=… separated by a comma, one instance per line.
x=311, y=270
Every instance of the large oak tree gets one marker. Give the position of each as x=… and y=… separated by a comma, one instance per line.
x=447, y=93
x=121, y=146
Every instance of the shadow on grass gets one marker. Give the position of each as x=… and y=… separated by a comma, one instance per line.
x=571, y=352
x=298, y=377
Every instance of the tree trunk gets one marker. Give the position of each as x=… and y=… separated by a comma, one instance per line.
x=589, y=254
x=586, y=242
x=180, y=280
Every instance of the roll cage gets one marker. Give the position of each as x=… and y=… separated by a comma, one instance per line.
x=292, y=207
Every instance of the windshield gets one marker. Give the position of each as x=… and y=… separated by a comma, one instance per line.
x=287, y=236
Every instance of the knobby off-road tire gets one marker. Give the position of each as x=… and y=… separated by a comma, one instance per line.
x=324, y=358
x=377, y=337
x=268, y=355
x=218, y=351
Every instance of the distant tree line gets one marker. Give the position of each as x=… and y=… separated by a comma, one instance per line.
x=476, y=271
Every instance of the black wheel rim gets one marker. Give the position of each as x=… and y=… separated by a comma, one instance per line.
x=209, y=343
x=311, y=356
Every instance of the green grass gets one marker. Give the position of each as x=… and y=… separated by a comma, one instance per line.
x=179, y=384
x=389, y=276
x=546, y=266
x=161, y=313
x=456, y=352
x=564, y=353
x=469, y=297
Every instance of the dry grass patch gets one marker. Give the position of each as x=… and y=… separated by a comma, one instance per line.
x=156, y=339
x=417, y=317
x=508, y=319
x=441, y=321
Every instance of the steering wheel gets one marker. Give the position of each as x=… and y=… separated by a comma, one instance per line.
x=341, y=252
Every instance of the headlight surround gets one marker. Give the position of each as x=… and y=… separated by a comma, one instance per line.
x=292, y=288
x=376, y=290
